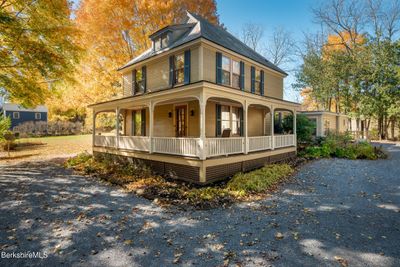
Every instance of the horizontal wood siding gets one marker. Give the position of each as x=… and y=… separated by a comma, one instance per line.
x=273, y=83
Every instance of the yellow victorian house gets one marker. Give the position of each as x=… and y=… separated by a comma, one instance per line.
x=199, y=105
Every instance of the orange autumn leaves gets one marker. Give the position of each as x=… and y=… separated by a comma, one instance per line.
x=102, y=24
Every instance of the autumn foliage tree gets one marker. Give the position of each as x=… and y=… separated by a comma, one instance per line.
x=113, y=32
x=37, y=51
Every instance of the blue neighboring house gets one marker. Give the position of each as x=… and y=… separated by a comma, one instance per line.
x=19, y=114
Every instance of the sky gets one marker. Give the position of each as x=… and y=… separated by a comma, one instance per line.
x=293, y=15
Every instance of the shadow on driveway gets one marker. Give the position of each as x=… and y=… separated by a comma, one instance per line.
x=334, y=211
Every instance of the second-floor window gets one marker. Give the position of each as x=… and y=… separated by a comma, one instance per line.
x=226, y=70
x=179, y=69
x=257, y=82
x=235, y=74
x=139, y=81
x=38, y=116
x=16, y=115
x=229, y=71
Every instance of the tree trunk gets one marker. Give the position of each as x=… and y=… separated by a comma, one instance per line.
x=380, y=127
x=392, y=126
x=367, y=123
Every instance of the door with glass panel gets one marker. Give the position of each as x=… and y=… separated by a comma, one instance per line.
x=181, y=121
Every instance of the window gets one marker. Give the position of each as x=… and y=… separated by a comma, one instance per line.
x=257, y=81
x=38, y=116
x=139, y=122
x=236, y=118
x=179, y=69
x=314, y=122
x=139, y=86
x=16, y=115
x=226, y=70
x=164, y=41
x=230, y=117
x=225, y=118
x=235, y=74
x=157, y=44
x=161, y=42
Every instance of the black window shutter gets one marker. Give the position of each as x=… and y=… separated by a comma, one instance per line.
x=262, y=82
x=171, y=71
x=144, y=79
x=242, y=75
x=133, y=123
x=253, y=79
x=187, y=67
x=133, y=82
x=241, y=122
x=218, y=66
x=218, y=120
x=143, y=115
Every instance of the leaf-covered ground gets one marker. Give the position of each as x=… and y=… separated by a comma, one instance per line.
x=44, y=148
x=336, y=212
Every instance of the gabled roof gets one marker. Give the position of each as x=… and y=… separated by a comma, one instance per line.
x=216, y=34
x=16, y=107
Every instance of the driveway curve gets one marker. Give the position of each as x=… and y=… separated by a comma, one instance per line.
x=334, y=212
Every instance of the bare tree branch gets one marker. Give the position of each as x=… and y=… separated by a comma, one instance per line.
x=251, y=35
x=280, y=47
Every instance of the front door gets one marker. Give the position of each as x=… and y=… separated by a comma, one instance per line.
x=180, y=121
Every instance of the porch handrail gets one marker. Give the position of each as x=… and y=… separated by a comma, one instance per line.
x=224, y=146
x=284, y=140
x=257, y=143
x=139, y=143
x=105, y=140
x=184, y=146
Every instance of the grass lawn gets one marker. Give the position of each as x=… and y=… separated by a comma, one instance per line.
x=39, y=148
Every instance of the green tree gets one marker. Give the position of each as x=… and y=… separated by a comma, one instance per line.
x=37, y=51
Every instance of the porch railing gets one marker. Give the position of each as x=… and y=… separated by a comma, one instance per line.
x=191, y=146
x=224, y=146
x=140, y=143
x=105, y=140
x=284, y=140
x=257, y=143
x=176, y=146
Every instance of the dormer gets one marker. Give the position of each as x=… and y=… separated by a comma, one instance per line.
x=166, y=36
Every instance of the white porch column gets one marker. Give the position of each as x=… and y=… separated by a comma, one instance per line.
x=246, y=137
x=94, y=129
x=295, y=127
x=117, y=126
x=151, y=126
x=272, y=127
x=202, y=142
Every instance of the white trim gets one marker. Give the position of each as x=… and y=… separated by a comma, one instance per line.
x=187, y=118
x=16, y=107
x=16, y=115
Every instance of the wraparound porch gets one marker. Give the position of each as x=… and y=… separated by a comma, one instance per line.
x=191, y=147
x=201, y=132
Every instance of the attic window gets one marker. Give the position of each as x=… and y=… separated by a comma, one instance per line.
x=161, y=42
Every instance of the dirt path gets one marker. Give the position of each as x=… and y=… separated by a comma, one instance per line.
x=335, y=212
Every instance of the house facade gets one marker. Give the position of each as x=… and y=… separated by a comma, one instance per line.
x=200, y=106
x=19, y=114
x=328, y=122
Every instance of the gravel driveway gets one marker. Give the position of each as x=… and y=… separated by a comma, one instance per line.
x=335, y=212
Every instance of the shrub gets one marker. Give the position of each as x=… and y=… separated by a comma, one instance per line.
x=304, y=128
x=136, y=177
x=40, y=128
x=340, y=146
x=258, y=180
